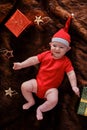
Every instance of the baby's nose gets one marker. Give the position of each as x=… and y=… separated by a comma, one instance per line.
x=57, y=48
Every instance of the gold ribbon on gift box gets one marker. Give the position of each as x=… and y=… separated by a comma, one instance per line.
x=85, y=101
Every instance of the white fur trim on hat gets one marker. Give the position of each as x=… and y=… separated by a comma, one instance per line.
x=63, y=41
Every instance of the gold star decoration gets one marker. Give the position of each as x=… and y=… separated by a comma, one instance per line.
x=6, y=53
x=10, y=92
x=38, y=20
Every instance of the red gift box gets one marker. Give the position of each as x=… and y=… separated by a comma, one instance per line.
x=17, y=23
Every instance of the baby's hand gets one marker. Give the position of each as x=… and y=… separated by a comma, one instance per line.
x=76, y=90
x=17, y=66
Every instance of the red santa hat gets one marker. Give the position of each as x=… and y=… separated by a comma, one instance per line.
x=62, y=35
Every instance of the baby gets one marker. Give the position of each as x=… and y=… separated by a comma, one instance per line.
x=53, y=65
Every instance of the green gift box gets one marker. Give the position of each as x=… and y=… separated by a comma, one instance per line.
x=82, y=109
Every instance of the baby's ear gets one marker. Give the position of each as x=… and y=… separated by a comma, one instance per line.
x=68, y=48
x=50, y=43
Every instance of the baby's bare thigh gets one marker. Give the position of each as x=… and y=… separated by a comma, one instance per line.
x=51, y=93
x=31, y=85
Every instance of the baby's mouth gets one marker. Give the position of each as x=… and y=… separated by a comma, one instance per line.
x=57, y=52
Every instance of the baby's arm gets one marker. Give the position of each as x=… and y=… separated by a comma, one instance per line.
x=29, y=62
x=73, y=81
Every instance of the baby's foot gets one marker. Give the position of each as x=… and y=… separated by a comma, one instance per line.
x=39, y=114
x=28, y=105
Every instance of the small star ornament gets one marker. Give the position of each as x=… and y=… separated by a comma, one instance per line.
x=38, y=20
x=6, y=53
x=10, y=92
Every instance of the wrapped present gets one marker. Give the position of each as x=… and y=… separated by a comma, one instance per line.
x=17, y=23
x=82, y=109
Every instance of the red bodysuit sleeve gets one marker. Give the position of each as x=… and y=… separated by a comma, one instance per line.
x=42, y=55
x=68, y=66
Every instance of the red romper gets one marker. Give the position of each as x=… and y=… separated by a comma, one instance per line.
x=51, y=72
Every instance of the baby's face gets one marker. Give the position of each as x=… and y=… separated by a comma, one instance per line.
x=58, y=49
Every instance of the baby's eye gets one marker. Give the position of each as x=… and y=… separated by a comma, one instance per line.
x=61, y=47
x=54, y=45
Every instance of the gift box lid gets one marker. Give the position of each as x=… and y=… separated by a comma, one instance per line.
x=17, y=23
x=82, y=108
x=84, y=93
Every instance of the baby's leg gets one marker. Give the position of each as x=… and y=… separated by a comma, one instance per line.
x=27, y=88
x=52, y=99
